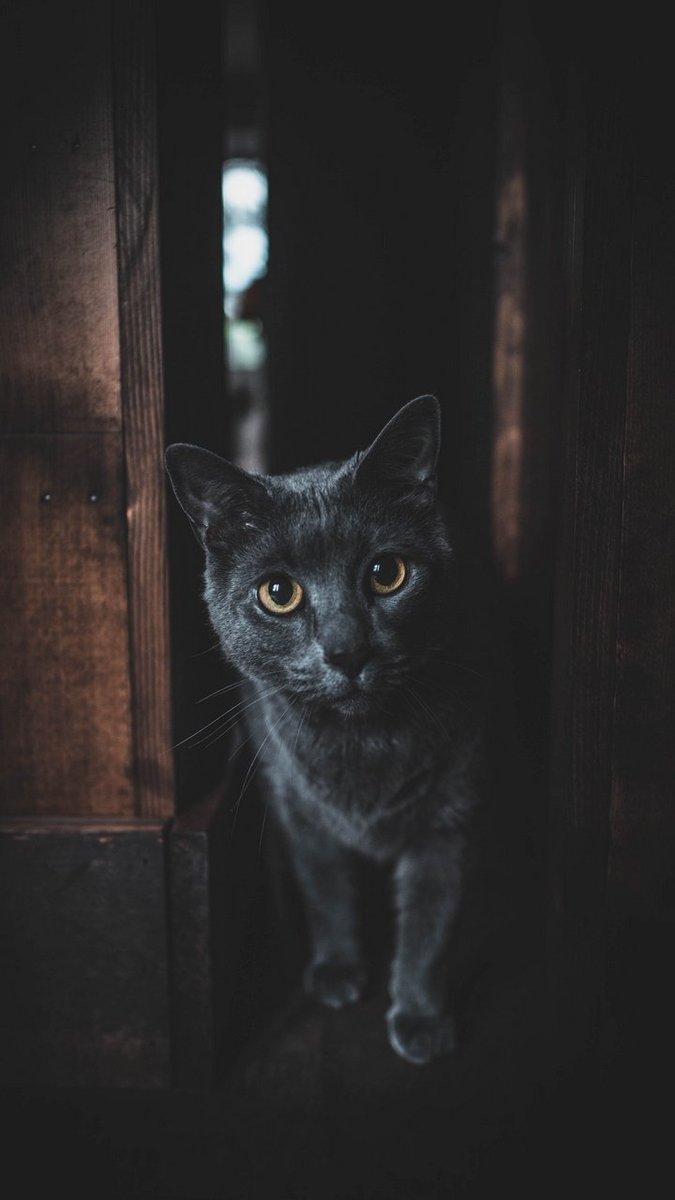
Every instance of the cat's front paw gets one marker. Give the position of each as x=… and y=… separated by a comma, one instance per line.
x=335, y=983
x=420, y=1039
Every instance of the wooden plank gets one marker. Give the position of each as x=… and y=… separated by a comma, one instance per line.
x=236, y=927
x=59, y=366
x=530, y=244
x=215, y=881
x=512, y=205
x=195, y=1016
x=83, y=943
x=642, y=860
x=588, y=580
x=143, y=401
x=64, y=687
x=527, y=388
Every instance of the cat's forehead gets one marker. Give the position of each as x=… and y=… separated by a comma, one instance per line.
x=311, y=485
x=319, y=505
x=324, y=519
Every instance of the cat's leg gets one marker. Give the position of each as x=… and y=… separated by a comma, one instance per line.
x=335, y=973
x=427, y=882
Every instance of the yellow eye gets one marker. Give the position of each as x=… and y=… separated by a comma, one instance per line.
x=280, y=594
x=387, y=574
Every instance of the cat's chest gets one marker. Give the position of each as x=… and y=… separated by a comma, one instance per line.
x=366, y=792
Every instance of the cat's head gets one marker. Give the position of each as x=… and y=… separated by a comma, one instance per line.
x=333, y=582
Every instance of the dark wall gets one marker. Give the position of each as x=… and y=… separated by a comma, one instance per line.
x=614, y=836
x=381, y=154
x=191, y=119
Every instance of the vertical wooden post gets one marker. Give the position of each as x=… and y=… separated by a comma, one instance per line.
x=589, y=568
x=136, y=191
x=86, y=785
x=64, y=690
x=641, y=883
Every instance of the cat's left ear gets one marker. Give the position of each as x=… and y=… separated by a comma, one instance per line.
x=219, y=498
x=405, y=453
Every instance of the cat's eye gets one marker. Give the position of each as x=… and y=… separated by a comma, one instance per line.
x=280, y=594
x=387, y=574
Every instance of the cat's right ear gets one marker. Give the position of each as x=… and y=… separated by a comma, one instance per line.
x=219, y=498
x=405, y=452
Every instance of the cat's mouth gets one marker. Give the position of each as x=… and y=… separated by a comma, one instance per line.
x=353, y=704
x=340, y=693
x=352, y=697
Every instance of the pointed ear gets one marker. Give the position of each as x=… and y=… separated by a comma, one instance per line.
x=405, y=453
x=219, y=498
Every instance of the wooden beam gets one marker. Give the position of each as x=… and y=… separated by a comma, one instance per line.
x=135, y=122
x=642, y=856
x=84, y=1000
x=64, y=687
x=588, y=578
x=58, y=289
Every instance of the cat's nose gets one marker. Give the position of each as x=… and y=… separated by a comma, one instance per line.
x=349, y=659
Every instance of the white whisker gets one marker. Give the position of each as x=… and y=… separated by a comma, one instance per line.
x=460, y=666
x=248, y=776
x=240, y=705
x=209, y=650
x=303, y=714
x=275, y=676
x=425, y=708
x=220, y=691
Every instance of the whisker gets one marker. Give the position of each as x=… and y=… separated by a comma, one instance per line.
x=222, y=716
x=262, y=828
x=413, y=709
x=220, y=691
x=303, y=714
x=209, y=650
x=429, y=711
x=248, y=776
x=461, y=666
x=243, y=741
x=240, y=744
x=217, y=734
x=240, y=683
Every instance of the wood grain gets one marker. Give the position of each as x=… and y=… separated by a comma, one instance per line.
x=85, y=977
x=143, y=402
x=64, y=686
x=508, y=379
x=642, y=860
x=59, y=367
x=588, y=580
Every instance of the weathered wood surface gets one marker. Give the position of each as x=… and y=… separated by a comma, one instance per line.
x=59, y=365
x=197, y=1010
x=512, y=215
x=143, y=402
x=64, y=683
x=83, y=941
x=589, y=582
x=66, y=725
x=642, y=857
x=225, y=928
x=612, y=816
x=86, y=688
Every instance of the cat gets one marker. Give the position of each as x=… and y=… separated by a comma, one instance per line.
x=337, y=594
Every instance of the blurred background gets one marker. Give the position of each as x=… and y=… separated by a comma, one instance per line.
x=262, y=228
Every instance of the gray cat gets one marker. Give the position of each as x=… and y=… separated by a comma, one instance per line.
x=335, y=593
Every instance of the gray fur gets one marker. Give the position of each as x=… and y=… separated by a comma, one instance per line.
x=388, y=767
